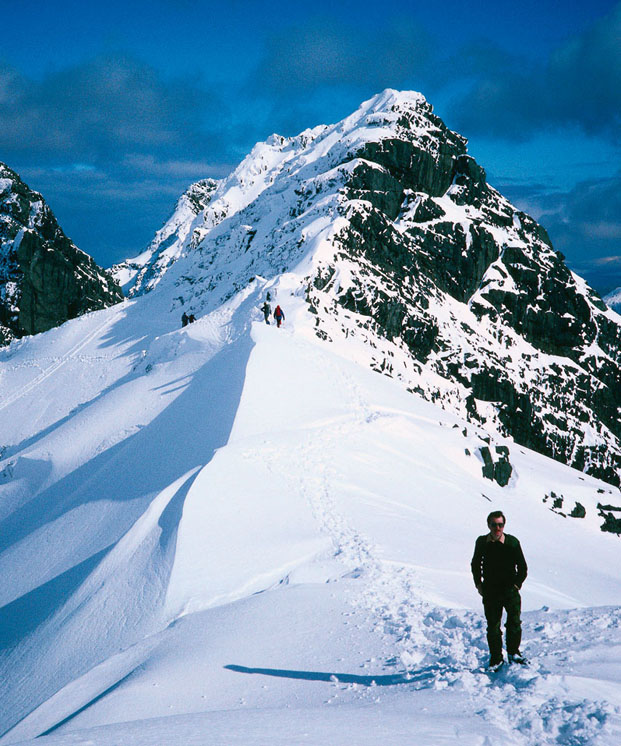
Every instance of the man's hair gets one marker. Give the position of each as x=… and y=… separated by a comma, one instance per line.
x=496, y=514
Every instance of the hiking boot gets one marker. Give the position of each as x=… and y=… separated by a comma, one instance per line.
x=518, y=658
x=495, y=663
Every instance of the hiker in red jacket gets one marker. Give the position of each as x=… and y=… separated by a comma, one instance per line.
x=279, y=315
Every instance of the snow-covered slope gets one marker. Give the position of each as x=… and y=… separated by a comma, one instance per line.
x=169, y=242
x=232, y=533
x=403, y=248
x=229, y=531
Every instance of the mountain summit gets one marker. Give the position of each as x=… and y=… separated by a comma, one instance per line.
x=400, y=243
x=44, y=278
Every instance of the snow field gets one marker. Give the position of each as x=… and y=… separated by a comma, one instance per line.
x=246, y=537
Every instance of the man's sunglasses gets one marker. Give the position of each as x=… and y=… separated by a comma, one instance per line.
x=496, y=525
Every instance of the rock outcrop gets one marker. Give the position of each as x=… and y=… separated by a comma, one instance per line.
x=44, y=278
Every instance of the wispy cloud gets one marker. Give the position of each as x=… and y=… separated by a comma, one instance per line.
x=584, y=223
x=604, y=260
x=114, y=210
x=324, y=53
x=578, y=85
x=100, y=110
x=149, y=165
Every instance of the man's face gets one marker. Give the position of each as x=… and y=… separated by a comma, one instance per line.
x=496, y=528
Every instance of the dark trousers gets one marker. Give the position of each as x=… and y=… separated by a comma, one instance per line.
x=493, y=605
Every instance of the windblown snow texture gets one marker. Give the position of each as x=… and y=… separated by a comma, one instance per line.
x=402, y=245
x=44, y=278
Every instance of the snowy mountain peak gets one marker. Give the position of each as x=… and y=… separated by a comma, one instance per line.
x=390, y=108
x=400, y=246
x=388, y=115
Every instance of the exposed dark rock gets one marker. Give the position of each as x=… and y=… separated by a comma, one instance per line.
x=44, y=278
x=500, y=470
x=426, y=209
x=578, y=511
x=502, y=467
x=413, y=167
x=377, y=187
x=611, y=523
x=557, y=504
x=470, y=180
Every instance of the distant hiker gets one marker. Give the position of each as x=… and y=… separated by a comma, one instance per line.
x=499, y=569
x=184, y=319
x=267, y=310
x=279, y=315
x=191, y=318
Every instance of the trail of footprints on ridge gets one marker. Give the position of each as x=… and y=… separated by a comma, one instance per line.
x=438, y=647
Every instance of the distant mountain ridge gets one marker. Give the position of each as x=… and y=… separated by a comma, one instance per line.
x=138, y=273
x=44, y=278
x=613, y=300
x=402, y=247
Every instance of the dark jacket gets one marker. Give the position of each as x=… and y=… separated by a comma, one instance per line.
x=499, y=566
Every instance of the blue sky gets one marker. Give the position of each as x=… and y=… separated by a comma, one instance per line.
x=111, y=111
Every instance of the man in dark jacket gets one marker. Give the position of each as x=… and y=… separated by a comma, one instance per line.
x=499, y=569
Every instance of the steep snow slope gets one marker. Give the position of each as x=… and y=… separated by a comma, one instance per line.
x=232, y=533
x=169, y=241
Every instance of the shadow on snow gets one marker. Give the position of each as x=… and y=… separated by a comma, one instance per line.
x=425, y=674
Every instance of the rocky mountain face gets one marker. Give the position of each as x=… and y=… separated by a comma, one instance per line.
x=402, y=248
x=44, y=278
